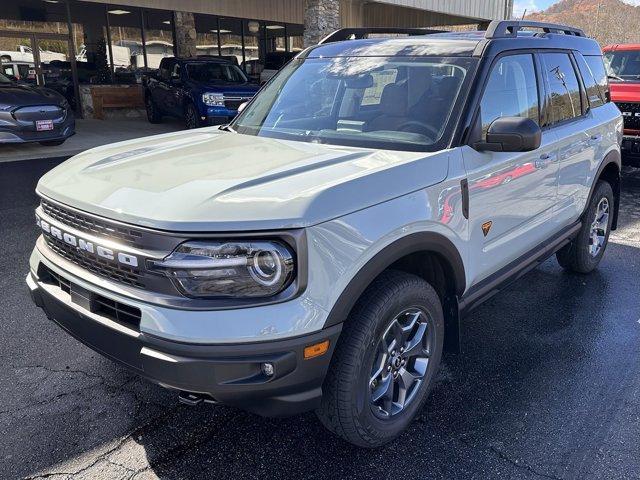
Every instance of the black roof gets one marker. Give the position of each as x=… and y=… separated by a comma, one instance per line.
x=501, y=35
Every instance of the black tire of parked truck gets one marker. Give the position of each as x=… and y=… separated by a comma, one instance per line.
x=191, y=116
x=153, y=115
x=584, y=253
x=385, y=361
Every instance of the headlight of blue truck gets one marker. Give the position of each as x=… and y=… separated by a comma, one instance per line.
x=213, y=99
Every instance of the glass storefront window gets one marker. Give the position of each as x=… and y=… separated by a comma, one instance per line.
x=275, y=37
x=33, y=16
x=253, y=49
x=294, y=38
x=158, y=36
x=90, y=40
x=207, y=34
x=126, y=43
x=231, y=39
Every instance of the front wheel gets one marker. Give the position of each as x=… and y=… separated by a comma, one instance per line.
x=191, y=116
x=385, y=361
x=584, y=253
x=153, y=115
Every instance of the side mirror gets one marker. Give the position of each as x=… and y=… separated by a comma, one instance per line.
x=511, y=134
x=242, y=106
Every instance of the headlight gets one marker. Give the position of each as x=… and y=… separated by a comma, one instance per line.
x=229, y=269
x=213, y=99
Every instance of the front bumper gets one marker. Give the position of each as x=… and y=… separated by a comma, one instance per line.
x=230, y=374
x=217, y=115
x=631, y=150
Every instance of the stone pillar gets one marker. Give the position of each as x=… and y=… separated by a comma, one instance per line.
x=185, y=26
x=321, y=17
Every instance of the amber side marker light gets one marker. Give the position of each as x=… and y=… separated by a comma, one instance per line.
x=316, y=350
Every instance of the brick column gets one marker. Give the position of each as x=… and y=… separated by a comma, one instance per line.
x=321, y=17
x=185, y=26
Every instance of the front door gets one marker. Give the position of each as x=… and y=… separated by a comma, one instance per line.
x=511, y=195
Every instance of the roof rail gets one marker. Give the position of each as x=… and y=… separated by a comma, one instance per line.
x=362, y=32
x=510, y=28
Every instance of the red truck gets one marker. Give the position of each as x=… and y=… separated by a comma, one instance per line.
x=623, y=69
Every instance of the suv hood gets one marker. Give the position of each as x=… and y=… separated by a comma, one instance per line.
x=209, y=180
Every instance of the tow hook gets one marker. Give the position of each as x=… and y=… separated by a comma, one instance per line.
x=193, y=399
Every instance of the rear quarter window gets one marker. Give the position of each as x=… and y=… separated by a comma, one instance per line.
x=596, y=66
x=590, y=83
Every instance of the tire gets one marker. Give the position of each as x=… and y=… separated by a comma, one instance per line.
x=348, y=407
x=191, y=116
x=584, y=253
x=5, y=58
x=52, y=143
x=153, y=115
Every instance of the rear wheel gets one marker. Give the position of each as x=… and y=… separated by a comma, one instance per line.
x=383, y=366
x=153, y=115
x=584, y=253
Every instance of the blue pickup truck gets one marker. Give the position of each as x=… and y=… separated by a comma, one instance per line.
x=201, y=90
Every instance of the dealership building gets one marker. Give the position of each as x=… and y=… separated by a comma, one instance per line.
x=80, y=47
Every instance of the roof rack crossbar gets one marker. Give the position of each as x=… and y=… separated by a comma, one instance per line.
x=510, y=28
x=362, y=32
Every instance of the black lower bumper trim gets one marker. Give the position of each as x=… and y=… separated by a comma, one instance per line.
x=228, y=374
x=631, y=151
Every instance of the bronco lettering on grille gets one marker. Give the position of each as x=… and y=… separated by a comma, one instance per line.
x=84, y=245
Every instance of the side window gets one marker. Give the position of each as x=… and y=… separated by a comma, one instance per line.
x=511, y=91
x=564, y=89
x=596, y=65
x=373, y=94
x=590, y=84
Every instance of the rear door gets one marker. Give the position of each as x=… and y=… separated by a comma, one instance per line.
x=512, y=196
x=579, y=136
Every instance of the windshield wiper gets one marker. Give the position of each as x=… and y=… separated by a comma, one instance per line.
x=227, y=128
x=615, y=77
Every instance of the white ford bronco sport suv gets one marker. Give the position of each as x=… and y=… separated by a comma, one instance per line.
x=318, y=252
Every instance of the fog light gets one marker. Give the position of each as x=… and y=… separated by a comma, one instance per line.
x=267, y=369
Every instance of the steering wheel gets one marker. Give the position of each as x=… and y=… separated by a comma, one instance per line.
x=416, y=126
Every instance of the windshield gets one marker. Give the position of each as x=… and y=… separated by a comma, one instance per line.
x=215, y=72
x=623, y=64
x=397, y=103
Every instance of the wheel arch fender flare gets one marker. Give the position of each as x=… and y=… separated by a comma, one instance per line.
x=611, y=158
x=416, y=242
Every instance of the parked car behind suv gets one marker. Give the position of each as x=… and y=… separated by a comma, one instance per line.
x=201, y=90
x=319, y=251
x=29, y=113
x=623, y=67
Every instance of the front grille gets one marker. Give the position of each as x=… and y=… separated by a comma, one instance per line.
x=85, y=223
x=232, y=103
x=100, y=266
x=98, y=304
x=630, y=114
x=40, y=112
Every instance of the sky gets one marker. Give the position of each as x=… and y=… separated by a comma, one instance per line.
x=531, y=5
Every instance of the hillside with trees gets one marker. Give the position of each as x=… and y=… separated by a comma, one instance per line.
x=608, y=21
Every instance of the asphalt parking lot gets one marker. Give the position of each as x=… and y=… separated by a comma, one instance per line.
x=548, y=386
